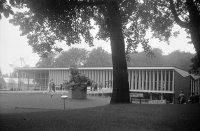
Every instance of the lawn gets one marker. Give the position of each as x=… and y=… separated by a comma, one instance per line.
x=120, y=117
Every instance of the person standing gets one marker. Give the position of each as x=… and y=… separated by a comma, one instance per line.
x=181, y=98
x=51, y=87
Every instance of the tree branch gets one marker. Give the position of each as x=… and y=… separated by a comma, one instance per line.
x=177, y=19
x=88, y=2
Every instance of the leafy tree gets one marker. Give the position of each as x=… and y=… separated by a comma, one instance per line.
x=195, y=65
x=98, y=58
x=2, y=82
x=142, y=59
x=45, y=62
x=74, y=57
x=46, y=21
x=175, y=59
x=180, y=59
x=159, y=16
x=5, y=9
x=187, y=15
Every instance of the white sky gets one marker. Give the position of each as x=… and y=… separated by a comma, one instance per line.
x=13, y=46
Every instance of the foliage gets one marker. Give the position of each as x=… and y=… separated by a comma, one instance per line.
x=77, y=80
x=5, y=9
x=98, y=58
x=74, y=57
x=77, y=57
x=48, y=21
x=70, y=21
x=2, y=81
x=175, y=59
x=46, y=61
x=195, y=65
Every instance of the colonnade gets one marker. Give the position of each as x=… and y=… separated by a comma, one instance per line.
x=140, y=79
x=195, y=86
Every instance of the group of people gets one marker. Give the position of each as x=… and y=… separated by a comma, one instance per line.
x=192, y=99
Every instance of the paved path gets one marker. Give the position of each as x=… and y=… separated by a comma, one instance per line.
x=41, y=101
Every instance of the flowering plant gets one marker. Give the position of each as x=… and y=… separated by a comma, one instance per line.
x=78, y=81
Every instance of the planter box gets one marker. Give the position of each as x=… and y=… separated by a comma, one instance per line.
x=79, y=93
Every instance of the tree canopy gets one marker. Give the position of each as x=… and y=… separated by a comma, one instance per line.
x=74, y=57
x=5, y=9
x=98, y=58
x=77, y=57
x=47, y=21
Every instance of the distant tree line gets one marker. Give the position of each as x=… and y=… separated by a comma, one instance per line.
x=98, y=57
x=77, y=57
x=2, y=82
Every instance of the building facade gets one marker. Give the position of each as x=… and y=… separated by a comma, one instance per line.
x=153, y=82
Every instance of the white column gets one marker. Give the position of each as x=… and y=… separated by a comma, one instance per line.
x=110, y=78
x=147, y=82
x=150, y=83
x=161, y=82
x=173, y=81
x=169, y=80
x=107, y=77
x=142, y=79
x=153, y=79
x=97, y=76
x=165, y=80
x=136, y=81
x=92, y=77
x=104, y=78
x=157, y=80
x=100, y=77
x=89, y=74
x=139, y=85
x=129, y=79
x=132, y=79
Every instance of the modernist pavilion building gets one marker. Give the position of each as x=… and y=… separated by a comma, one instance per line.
x=153, y=82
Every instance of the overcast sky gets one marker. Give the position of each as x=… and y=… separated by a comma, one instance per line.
x=13, y=46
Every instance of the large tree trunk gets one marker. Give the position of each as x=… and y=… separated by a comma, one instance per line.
x=194, y=25
x=120, y=75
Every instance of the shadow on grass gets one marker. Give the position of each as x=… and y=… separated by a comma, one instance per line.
x=120, y=117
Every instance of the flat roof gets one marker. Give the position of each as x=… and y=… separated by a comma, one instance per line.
x=95, y=68
x=180, y=71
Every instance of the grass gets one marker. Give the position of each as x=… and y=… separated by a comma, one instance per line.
x=120, y=117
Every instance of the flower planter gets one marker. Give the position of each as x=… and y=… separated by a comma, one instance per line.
x=78, y=84
x=79, y=93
